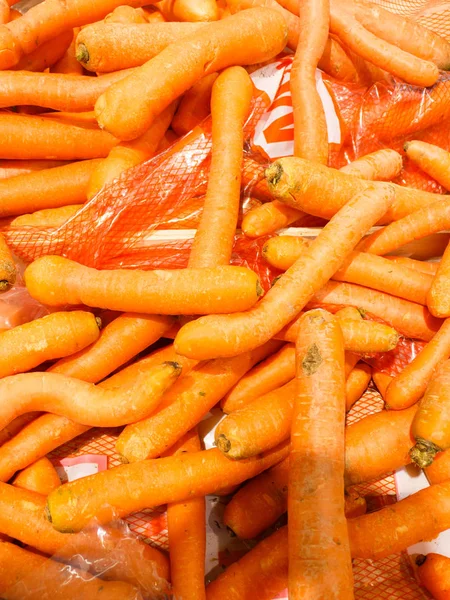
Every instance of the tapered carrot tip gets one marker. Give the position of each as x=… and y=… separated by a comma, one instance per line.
x=82, y=54
x=423, y=452
x=278, y=181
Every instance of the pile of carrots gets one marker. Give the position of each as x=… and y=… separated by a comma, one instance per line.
x=91, y=89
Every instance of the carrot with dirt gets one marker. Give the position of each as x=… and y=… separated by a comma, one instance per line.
x=40, y=477
x=186, y=404
x=194, y=106
x=56, y=281
x=437, y=299
x=7, y=266
x=230, y=105
x=53, y=336
x=232, y=41
x=189, y=10
x=45, y=55
x=17, y=425
x=430, y=158
x=357, y=383
x=433, y=573
x=229, y=335
x=47, y=217
x=68, y=64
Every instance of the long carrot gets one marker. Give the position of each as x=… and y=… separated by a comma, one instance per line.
x=357, y=383
x=230, y=104
x=56, y=281
x=185, y=405
x=45, y=55
x=56, y=335
x=433, y=572
x=232, y=41
x=319, y=553
x=194, y=106
x=47, y=217
x=17, y=425
x=233, y=334
x=40, y=477
x=430, y=158
x=189, y=10
x=437, y=299
x=68, y=63
x=7, y=266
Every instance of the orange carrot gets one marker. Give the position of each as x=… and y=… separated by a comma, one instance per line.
x=423, y=267
x=431, y=246
x=357, y=383
x=188, y=10
x=45, y=55
x=430, y=158
x=186, y=404
x=151, y=483
x=229, y=335
x=11, y=168
x=126, y=14
x=269, y=217
x=68, y=63
x=153, y=15
x=40, y=477
x=382, y=380
x=17, y=425
x=232, y=41
x=437, y=300
x=194, y=106
x=230, y=104
x=336, y=62
x=439, y=470
x=433, y=572
x=56, y=335
x=47, y=217
x=7, y=266
x=310, y=127
x=56, y=281
x=382, y=165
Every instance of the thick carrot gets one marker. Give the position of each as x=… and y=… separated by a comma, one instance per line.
x=382, y=380
x=434, y=574
x=83, y=402
x=310, y=127
x=104, y=47
x=186, y=404
x=232, y=41
x=230, y=104
x=429, y=268
x=7, y=266
x=47, y=217
x=194, y=106
x=40, y=477
x=430, y=158
x=126, y=14
x=439, y=470
x=409, y=386
x=45, y=55
x=322, y=191
x=56, y=281
x=357, y=383
x=56, y=335
x=25, y=575
x=11, y=168
x=382, y=165
x=229, y=335
x=129, y=154
x=269, y=217
x=189, y=10
x=151, y=483
x=68, y=63
x=17, y=425
x=119, y=342
x=33, y=137
x=437, y=298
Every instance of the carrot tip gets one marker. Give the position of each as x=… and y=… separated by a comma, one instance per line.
x=259, y=289
x=420, y=560
x=423, y=452
x=223, y=443
x=176, y=366
x=99, y=322
x=48, y=514
x=273, y=173
x=4, y=285
x=406, y=146
x=82, y=54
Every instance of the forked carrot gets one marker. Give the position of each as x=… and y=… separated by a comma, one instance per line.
x=437, y=298
x=126, y=14
x=382, y=380
x=430, y=158
x=417, y=265
x=357, y=383
x=382, y=165
x=217, y=45
x=230, y=104
x=15, y=426
x=194, y=106
x=189, y=10
x=7, y=266
x=433, y=572
x=53, y=336
x=47, y=217
x=40, y=477
x=229, y=335
x=68, y=63
x=45, y=55
x=319, y=554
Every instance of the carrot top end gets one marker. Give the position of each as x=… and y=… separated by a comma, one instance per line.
x=82, y=54
x=423, y=452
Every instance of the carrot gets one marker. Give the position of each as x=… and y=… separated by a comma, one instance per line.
x=229, y=335
x=104, y=47
x=270, y=374
x=433, y=573
x=151, y=483
x=11, y=168
x=355, y=505
x=58, y=334
x=322, y=191
x=119, y=342
x=357, y=383
x=56, y=281
x=40, y=477
x=17, y=425
x=409, y=386
x=429, y=268
x=53, y=90
x=7, y=266
x=430, y=158
x=83, y=402
x=47, y=217
x=186, y=404
x=230, y=104
x=337, y=63
x=362, y=268
x=269, y=217
x=32, y=137
x=152, y=14
x=126, y=14
x=189, y=10
x=382, y=380
x=129, y=154
x=437, y=300
x=45, y=55
x=431, y=246
x=232, y=41
x=439, y=470
x=194, y=106
x=68, y=63
x=310, y=127
x=382, y=165
x=25, y=575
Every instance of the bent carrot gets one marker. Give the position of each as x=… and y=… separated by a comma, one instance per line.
x=187, y=10
x=194, y=106
x=433, y=572
x=40, y=477
x=7, y=266
x=151, y=483
x=382, y=165
x=231, y=41
x=229, y=335
x=68, y=63
x=47, y=217
x=17, y=425
x=310, y=127
x=45, y=55
x=430, y=158
x=437, y=299
x=56, y=335
x=319, y=553
x=56, y=281
x=230, y=104
x=357, y=383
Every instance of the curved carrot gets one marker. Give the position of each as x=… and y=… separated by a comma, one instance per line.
x=45, y=55
x=12, y=168
x=151, y=483
x=126, y=14
x=382, y=381
x=439, y=470
x=382, y=165
x=56, y=335
x=7, y=266
x=47, y=217
x=230, y=104
x=56, y=281
x=319, y=553
x=189, y=10
x=429, y=268
x=40, y=477
x=232, y=41
x=83, y=402
x=433, y=572
x=17, y=425
x=229, y=335
x=194, y=106
x=68, y=63
x=186, y=404
x=269, y=217
x=357, y=383
x=437, y=298
x=430, y=158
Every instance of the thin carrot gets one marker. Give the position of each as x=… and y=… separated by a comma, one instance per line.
x=17, y=425
x=47, y=217
x=56, y=335
x=437, y=299
x=382, y=165
x=151, y=483
x=269, y=217
x=229, y=335
x=357, y=383
x=45, y=55
x=7, y=266
x=430, y=158
x=57, y=281
x=126, y=14
x=433, y=572
x=439, y=470
x=429, y=268
x=382, y=380
x=68, y=63
x=83, y=402
x=189, y=10
x=12, y=168
x=217, y=45
x=40, y=477
x=194, y=106
x=186, y=404
x=230, y=104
